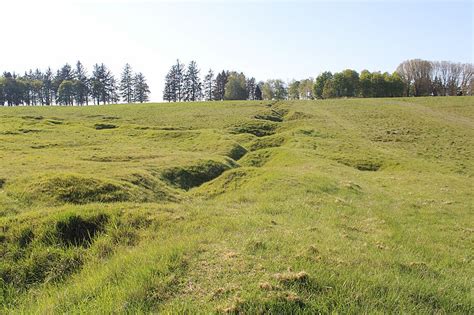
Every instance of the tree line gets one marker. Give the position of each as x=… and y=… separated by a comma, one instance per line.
x=73, y=86
x=412, y=78
x=437, y=78
x=183, y=83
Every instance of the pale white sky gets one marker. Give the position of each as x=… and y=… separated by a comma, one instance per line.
x=264, y=39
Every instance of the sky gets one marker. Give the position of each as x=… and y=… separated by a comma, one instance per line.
x=264, y=39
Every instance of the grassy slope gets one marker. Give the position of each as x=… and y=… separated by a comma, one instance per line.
x=344, y=205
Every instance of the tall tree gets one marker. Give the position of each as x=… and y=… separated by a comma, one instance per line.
x=305, y=89
x=365, y=84
x=320, y=82
x=66, y=92
x=37, y=88
x=416, y=74
x=2, y=91
x=251, y=86
x=192, y=87
x=169, y=92
x=179, y=80
x=81, y=85
x=467, y=78
x=280, y=90
x=258, y=92
x=219, y=85
x=274, y=90
x=267, y=90
x=294, y=90
x=103, y=85
x=140, y=88
x=235, y=88
x=48, y=89
x=208, y=85
x=126, y=84
x=65, y=73
x=329, y=89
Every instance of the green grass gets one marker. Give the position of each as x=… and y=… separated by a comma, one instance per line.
x=342, y=206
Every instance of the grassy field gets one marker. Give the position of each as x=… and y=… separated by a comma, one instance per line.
x=343, y=206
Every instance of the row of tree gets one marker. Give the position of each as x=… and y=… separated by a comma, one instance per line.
x=72, y=86
x=412, y=78
x=184, y=84
x=443, y=78
x=349, y=83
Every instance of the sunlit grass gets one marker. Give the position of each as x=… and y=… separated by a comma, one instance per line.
x=297, y=206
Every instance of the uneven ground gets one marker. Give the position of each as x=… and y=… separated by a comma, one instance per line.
x=347, y=205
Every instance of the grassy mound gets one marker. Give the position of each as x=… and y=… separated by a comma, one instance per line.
x=78, y=189
x=270, y=115
x=229, y=181
x=187, y=177
x=152, y=188
x=266, y=142
x=257, y=158
x=258, y=128
x=296, y=115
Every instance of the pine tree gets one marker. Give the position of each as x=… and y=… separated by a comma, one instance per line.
x=219, y=86
x=126, y=84
x=169, y=93
x=140, y=88
x=258, y=93
x=103, y=85
x=192, y=87
x=178, y=79
x=250, y=85
x=48, y=87
x=65, y=73
x=37, y=87
x=208, y=85
x=81, y=85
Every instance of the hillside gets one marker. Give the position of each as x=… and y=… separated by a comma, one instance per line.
x=352, y=206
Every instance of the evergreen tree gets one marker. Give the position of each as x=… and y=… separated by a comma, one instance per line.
x=27, y=92
x=65, y=73
x=258, y=92
x=37, y=88
x=140, y=88
x=81, y=85
x=250, y=86
x=209, y=85
x=178, y=79
x=2, y=92
x=169, y=93
x=126, y=84
x=219, y=85
x=103, y=85
x=192, y=87
x=48, y=87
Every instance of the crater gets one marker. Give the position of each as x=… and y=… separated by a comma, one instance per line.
x=102, y=126
x=187, y=177
x=75, y=230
